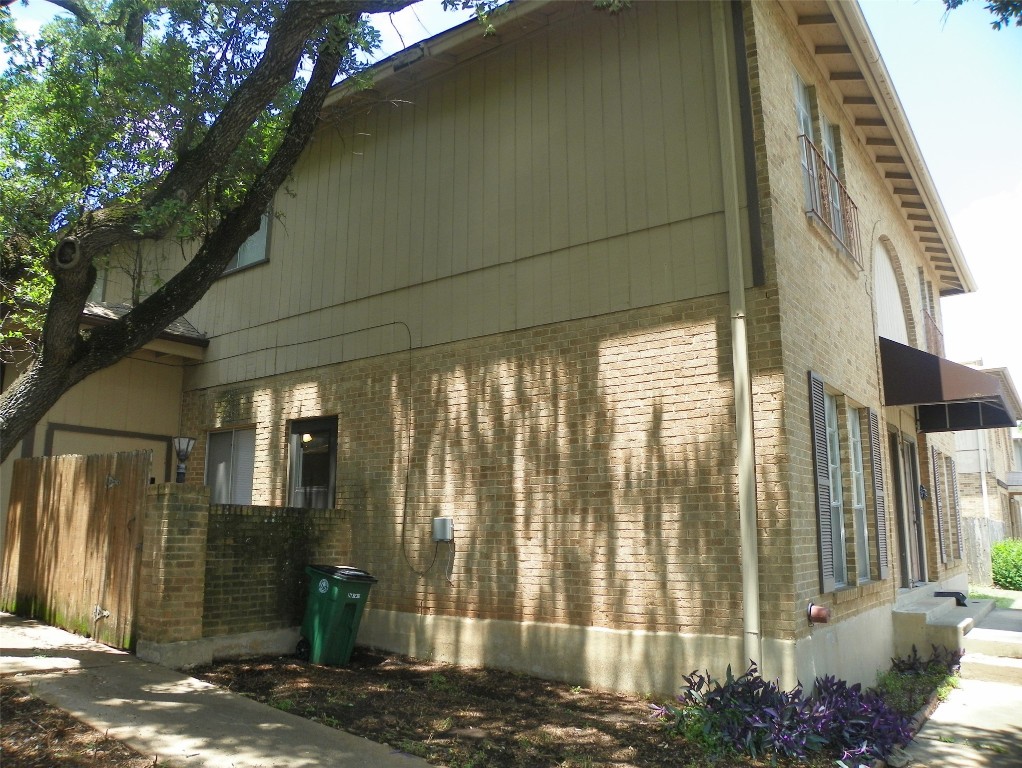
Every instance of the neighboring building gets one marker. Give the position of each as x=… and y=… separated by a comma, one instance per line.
x=133, y=405
x=989, y=476
x=647, y=304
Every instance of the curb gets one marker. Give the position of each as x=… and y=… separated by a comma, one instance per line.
x=918, y=721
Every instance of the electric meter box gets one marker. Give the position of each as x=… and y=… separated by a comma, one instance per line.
x=443, y=529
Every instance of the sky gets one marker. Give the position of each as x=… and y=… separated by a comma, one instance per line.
x=960, y=83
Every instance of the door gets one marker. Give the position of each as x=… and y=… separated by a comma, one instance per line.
x=313, y=467
x=912, y=545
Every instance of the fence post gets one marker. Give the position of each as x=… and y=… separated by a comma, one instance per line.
x=173, y=571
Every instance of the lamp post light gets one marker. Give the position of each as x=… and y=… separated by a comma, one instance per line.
x=183, y=448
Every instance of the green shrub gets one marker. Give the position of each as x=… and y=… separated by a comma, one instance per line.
x=912, y=679
x=1006, y=562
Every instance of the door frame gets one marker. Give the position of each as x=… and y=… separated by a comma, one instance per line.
x=911, y=530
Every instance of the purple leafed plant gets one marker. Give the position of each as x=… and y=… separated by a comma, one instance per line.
x=754, y=716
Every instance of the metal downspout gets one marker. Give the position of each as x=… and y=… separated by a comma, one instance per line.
x=747, y=509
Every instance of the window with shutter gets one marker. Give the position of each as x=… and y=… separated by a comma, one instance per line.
x=938, y=506
x=858, y=486
x=821, y=470
x=879, y=497
x=953, y=472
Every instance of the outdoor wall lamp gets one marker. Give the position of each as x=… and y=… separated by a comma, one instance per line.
x=183, y=448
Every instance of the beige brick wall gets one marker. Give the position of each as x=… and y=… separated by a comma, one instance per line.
x=588, y=466
x=255, y=565
x=825, y=300
x=172, y=570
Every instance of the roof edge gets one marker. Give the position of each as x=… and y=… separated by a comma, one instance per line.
x=864, y=49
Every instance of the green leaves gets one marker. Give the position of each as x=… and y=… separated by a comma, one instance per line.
x=99, y=105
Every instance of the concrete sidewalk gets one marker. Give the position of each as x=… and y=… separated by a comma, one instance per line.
x=980, y=723
x=186, y=722
x=160, y=712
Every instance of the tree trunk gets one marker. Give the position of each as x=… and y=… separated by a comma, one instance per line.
x=68, y=355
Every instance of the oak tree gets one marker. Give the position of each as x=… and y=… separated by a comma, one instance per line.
x=133, y=120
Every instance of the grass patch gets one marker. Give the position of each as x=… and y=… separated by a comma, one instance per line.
x=911, y=681
x=1000, y=601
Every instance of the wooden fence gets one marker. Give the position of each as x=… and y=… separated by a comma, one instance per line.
x=71, y=549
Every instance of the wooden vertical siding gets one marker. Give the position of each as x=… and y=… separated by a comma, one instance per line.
x=570, y=174
x=74, y=530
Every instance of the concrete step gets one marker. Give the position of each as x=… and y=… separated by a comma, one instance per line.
x=993, y=669
x=929, y=621
x=998, y=634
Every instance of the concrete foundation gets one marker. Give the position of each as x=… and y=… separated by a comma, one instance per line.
x=191, y=653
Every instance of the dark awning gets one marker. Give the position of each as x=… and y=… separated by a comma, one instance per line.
x=948, y=396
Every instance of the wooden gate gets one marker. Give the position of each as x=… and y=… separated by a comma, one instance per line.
x=72, y=544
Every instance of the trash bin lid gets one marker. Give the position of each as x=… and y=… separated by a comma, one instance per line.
x=345, y=572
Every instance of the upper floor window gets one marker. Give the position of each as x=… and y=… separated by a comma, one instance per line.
x=835, y=196
x=826, y=199
x=804, y=116
x=98, y=292
x=253, y=250
x=934, y=336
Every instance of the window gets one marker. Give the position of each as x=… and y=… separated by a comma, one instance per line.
x=834, y=198
x=313, y=463
x=946, y=506
x=804, y=116
x=98, y=292
x=858, y=484
x=253, y=250
x=934, y=336
x=837, y=518
x=230, y=466
x=836, y=513
x=826, y=199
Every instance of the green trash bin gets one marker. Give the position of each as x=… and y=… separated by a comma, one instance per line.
x=337, y=597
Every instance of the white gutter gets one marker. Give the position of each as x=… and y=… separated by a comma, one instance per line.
x=747, y=509
x=867, y=57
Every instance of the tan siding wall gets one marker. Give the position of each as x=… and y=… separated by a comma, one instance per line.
x=140, y=395
x=573, y=174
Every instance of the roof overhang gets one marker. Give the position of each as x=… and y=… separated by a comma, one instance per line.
x=948, y=397
x=837, y=32
x=179, y=338
x=437, y=55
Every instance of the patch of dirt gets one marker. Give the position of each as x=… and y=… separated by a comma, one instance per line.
x=34, y=734
x=461, y=717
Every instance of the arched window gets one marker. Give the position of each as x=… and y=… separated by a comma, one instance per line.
x=892, y=321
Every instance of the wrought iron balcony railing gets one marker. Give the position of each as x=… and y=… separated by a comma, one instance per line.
x=828, y=201
x=934, y=336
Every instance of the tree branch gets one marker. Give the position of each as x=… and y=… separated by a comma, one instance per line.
x=80, y=12
x=184, y=289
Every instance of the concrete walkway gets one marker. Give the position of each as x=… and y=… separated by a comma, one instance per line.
x=167, y=714
x=186, y=722
x=980, y=723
